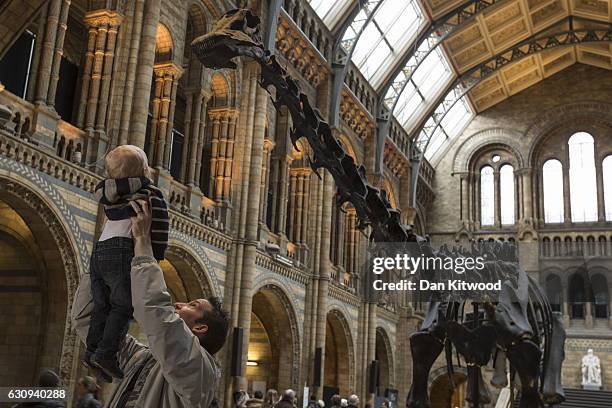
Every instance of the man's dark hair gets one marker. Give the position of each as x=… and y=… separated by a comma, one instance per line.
x=218, y=322
x=258, y=394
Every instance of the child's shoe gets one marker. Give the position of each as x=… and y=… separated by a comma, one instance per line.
x=108, y=366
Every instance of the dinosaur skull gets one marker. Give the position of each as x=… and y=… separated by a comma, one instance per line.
x=235, y=34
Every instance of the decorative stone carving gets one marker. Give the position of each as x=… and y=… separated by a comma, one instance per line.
x=591, y=371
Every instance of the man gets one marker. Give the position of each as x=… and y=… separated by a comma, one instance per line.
x=47, y=379
x=177, y=369
x=256, y=401
x=353, y=401
x=287, y=400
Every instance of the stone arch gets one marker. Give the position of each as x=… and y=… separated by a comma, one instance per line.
x=391, y=195
x=338, y=332
x=190, y=273
x=439, y=387
x=577, y=115
x=479, y=140
x=45, y=214
x=384, y=355
x=187, y=252
x=348, y=145
x=164, y=44
x=280, y=298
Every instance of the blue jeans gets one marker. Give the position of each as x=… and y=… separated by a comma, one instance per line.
x=112, y=296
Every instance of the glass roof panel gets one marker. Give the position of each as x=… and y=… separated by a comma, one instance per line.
x=437, y=140
x=450, y=127
x=390, y=31
x=329, y=10
x=428, y=79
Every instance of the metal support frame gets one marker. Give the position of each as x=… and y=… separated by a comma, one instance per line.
x=274, y=8
x=466, y=82
x=343, y=50
x=431, y=38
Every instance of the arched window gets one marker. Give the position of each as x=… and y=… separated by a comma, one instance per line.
x=600, y=296
x=606, y=169
x=552, y=178
x=487, y=196
x=554, y=292
x=577, y=296
x=506, y=189
x=583, y=187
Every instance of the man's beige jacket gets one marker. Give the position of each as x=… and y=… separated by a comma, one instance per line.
x=184, y=374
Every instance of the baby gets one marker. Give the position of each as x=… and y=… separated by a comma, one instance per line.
x=128, y=180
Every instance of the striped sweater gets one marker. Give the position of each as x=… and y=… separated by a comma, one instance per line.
x=116, y=194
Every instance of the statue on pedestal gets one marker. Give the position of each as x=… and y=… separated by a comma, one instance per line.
x=591, y=371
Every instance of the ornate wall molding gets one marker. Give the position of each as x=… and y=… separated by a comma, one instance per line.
x=565, y=114
x=340, y=313
x=384, y=332
x=191, y=251
x=52, y=210
x=474, y=143
x=284, y=293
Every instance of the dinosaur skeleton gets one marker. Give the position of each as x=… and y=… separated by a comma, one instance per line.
x=520, y=326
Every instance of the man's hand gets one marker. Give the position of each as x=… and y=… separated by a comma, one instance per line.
x=141, y=228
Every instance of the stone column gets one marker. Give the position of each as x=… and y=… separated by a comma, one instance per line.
x=324, y=266
x=351, y=261
x=215, y=118
x=131, y=66
x=251, y=208
x=305, y=206
x=96, y=82
x=526, y=175
x=166, y=75
x=59, y=51
x=229, y=159
x=40, y=24
x=292, y=203
x=497, y=198
x=464, y=197
x=192, y=136
x=601, y=205
x=265, y=180
x=567, y=208
x=144, y=74
x=52, y=50
x=588, y=314
x=223, y=122
x=477, y=203
x=51, y=38
x=169, y=136
x=196, y=148
x=610, y=305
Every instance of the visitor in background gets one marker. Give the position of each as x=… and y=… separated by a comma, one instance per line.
x=87, y=393
x=287, y=400
x=353, y=401
x=256, y=401
x=271, y=398
x=240, y=399
x=344, y=403
x=313, y=402
x=46, y=379
x=336, y=400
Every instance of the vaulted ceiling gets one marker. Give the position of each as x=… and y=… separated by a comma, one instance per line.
x=505, y=25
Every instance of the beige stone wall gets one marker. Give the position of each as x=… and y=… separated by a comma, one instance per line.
x=509, y=122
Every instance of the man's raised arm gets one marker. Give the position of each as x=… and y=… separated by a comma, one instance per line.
x=188, y=368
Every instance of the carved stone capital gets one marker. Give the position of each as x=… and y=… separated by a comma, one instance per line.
x=99, y=18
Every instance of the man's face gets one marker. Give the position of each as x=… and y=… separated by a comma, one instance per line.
x=193, y=311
